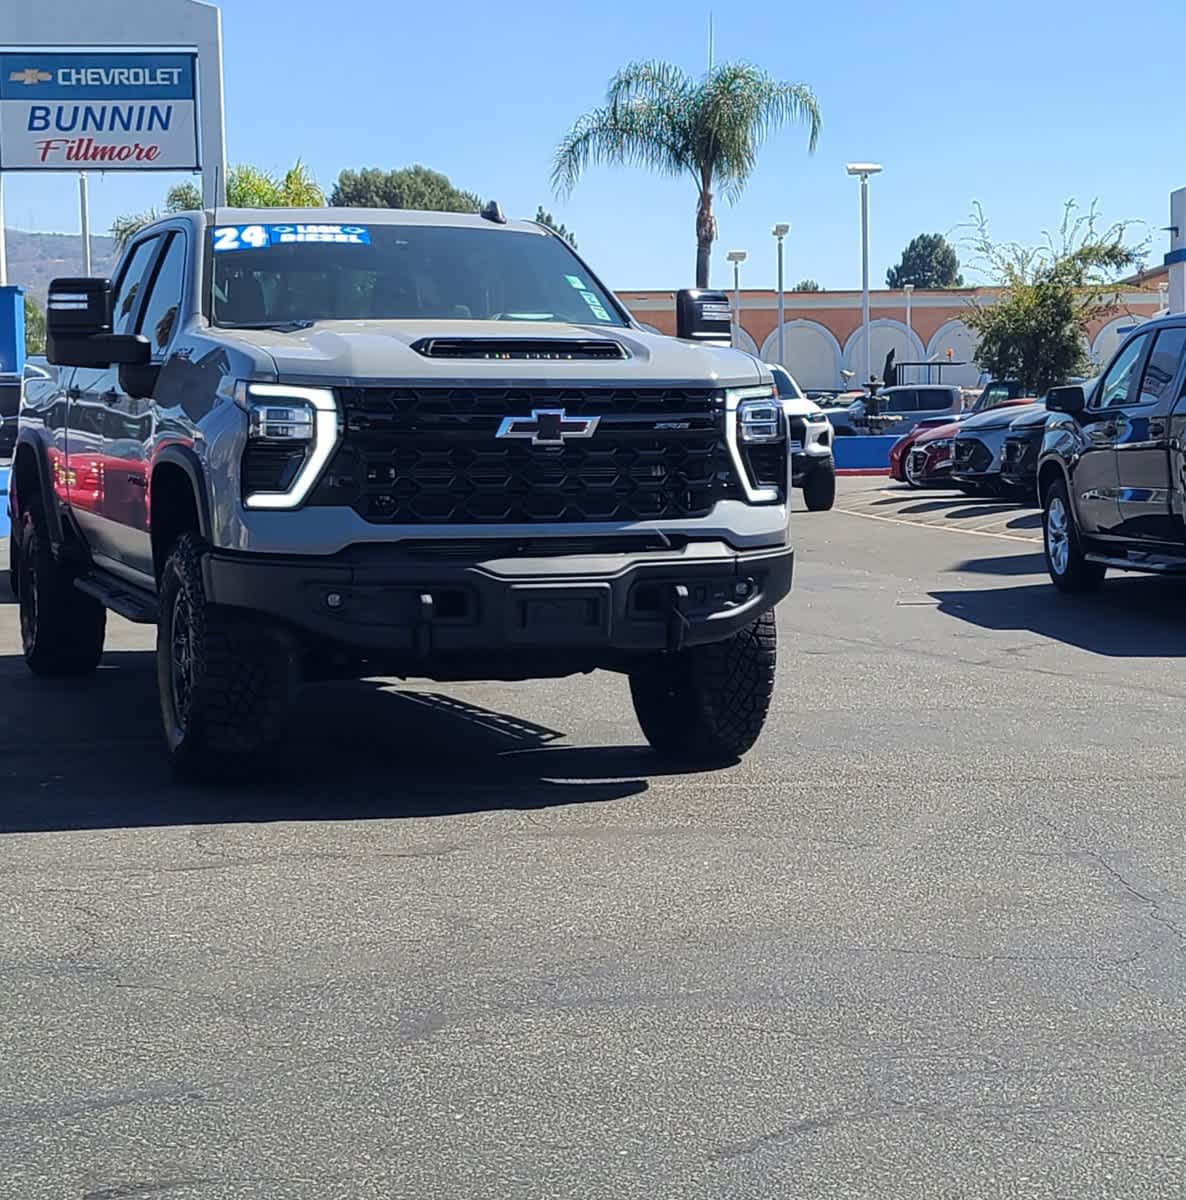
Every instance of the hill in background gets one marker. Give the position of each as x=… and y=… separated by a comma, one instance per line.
x=36, y=258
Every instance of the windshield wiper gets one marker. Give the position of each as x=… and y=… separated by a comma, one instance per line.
x=278, y=326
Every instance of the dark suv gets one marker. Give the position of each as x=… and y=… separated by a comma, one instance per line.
x=1112, y=473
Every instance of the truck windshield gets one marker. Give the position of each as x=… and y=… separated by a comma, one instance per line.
x=280, y=274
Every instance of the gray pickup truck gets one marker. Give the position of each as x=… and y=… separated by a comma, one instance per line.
x=335, y=442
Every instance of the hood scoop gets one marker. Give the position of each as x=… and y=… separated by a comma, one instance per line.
x=540, y=349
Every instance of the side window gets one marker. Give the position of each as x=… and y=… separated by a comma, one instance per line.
x=1117, y=386
x=935, y=400
x=128, y=290
x=164, y=301
x=1162, y=368
x=902, y=402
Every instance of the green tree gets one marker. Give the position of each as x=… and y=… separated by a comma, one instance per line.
x=410, y=187
x=546, y=218
x=183, y=197
x=658, y=116
x=247, y=186
x=34, y=327
x=807, y=285
x=930, y=261
x=1036, y=330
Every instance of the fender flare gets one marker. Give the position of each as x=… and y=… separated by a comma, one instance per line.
x=188, y=461
x=1055, y=462
x=49, y=498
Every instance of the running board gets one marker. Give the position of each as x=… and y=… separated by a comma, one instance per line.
x=130, y=602
x=1154, y=564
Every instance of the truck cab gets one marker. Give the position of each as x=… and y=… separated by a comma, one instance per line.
x=1112, y=470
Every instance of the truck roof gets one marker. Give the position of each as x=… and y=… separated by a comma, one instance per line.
x=362, y=216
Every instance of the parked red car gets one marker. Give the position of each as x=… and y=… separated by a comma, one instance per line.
x=927, y=462
x=900, y=450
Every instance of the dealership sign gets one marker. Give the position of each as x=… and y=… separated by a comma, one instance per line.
x=78, y=110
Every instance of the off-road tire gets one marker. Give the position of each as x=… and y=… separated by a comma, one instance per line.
x=62, y=630
x=708, y=703
x=225, y=676
x=819, y=489
x=1065, y=560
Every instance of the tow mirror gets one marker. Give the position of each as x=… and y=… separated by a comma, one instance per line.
x=703, y=316
x=78, y=327
x=1071, y=400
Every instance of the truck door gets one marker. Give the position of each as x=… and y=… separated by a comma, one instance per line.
x=130, y=420
x=1143, y=443
x=1177, y=467
x=91, y=399
x=1095, y=480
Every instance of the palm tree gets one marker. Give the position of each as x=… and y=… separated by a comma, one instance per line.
x=658, y=116
x=246, y=187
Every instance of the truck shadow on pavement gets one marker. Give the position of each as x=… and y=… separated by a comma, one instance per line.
x=1132, y=617
x=1005, y=564
x=88, y=755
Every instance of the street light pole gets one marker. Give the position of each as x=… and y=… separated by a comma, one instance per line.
x=864, y=170
x=908, y=288
x=84, y=213
x=780, y=232
x=736, y=257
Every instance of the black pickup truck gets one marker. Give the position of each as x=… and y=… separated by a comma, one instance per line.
x=1112, y=473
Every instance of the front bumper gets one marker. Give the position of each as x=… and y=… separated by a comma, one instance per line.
x=376, y=598
x=977, y=459
x=1019, y=461
x=927, y=467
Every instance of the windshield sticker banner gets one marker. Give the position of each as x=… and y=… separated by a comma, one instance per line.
x=595, y=306
x=261, y=237
x=70, y=110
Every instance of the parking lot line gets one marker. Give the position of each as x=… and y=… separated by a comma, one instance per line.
x=1011, y=537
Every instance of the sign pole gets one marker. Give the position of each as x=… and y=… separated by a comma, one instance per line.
x=3, y=238
x=84, y=212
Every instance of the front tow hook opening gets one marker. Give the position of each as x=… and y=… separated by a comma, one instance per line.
x=677, y=618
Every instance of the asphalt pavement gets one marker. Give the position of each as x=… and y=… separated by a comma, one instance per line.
x=927, y=940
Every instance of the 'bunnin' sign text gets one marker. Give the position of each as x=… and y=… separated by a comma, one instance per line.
x=79, y=110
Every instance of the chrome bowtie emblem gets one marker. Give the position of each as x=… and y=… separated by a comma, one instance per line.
x=548, y=427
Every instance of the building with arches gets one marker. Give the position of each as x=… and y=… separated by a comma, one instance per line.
x=823, y=334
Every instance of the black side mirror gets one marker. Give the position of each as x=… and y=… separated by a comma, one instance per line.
x=1071, y=400
x=702, y=316
x=78, y=327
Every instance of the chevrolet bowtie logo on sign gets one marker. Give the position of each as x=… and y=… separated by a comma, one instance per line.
x=548, y=427
x=30, y=75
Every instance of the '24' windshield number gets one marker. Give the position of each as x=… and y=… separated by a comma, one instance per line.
x=231, y=237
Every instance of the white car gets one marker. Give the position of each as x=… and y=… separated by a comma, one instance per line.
x=812, y=466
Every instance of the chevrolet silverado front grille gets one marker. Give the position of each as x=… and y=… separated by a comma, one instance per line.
x=433, y=456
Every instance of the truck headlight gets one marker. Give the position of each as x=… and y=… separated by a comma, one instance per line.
x=756, y=432
x=760, y=420
x=291, y=433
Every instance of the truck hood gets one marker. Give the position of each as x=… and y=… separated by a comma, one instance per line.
x=1030, y=418
x=799, y=406
x=350, y=352
x=1001, y=417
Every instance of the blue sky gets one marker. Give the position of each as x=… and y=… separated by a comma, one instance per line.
x=1019, y=110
